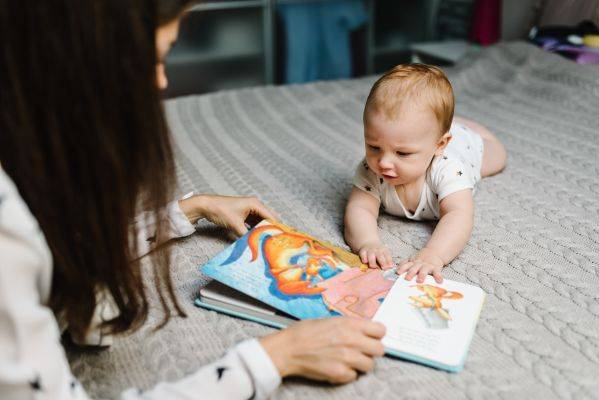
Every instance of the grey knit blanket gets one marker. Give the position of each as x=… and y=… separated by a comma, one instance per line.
x=534, y=249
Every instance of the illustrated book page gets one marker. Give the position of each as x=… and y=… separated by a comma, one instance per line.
x=300, y=275
x=429, y=322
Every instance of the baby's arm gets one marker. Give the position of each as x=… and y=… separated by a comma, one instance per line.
x=361, y=230
x=448, y=239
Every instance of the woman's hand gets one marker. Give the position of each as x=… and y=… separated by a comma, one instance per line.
x=333, y=349
x=226, y=211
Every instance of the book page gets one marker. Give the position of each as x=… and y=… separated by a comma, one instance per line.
x=429, y=320
x=300, y=275
x=225, y=294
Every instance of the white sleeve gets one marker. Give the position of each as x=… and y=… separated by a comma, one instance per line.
x=32, y=360
x=367, y=181
x=245, y=372
x=176, y=224
x=449, y=175
x=33, y=364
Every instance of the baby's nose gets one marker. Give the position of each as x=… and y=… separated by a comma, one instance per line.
x=385, y=162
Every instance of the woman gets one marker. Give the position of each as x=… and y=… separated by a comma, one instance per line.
x=83, y=149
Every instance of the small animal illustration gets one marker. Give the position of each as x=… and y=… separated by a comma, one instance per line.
x=431, y=299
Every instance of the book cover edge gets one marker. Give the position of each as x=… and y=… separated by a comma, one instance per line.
x=200, y=303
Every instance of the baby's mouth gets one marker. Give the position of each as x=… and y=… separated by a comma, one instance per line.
x=389, y=177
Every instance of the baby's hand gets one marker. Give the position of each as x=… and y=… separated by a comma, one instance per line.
x=375, y=255
x=422, y=263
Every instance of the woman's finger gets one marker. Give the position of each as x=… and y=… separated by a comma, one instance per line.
x=260, y=209
x=342, y=374
x=239, y=227
x=357, y=360
x=353, y=330
x=369, y=346
x=371, y=329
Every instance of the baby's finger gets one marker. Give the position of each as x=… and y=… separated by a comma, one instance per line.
x=380, y=259
x=388, y=263
x=364, y=256
x=372, y=259
x=383, y=259
x=413, y=271
x=404, y=267
x=437, y=275
x=422, y=273
x=385, y=262
x=404, y=261
x=392, y=263
x=388, y=260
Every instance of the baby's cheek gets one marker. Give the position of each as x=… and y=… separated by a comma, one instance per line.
x=371, y=164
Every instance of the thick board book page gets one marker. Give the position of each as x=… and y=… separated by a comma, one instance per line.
x=218, y=297
x=431, y=323
x=300, y=275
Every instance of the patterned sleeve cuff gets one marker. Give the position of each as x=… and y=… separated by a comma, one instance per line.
x=264, y=373
x=179, y=224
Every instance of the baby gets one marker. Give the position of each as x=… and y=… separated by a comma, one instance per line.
x=422, y=164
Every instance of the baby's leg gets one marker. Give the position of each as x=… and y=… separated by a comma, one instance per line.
x=494, y=155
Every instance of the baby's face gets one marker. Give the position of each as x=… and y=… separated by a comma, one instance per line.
x=400, y=150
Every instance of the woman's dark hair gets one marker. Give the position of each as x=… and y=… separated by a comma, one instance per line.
x=82, y=135
x=169, y=10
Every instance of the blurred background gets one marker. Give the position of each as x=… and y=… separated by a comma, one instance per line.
x=227, y=44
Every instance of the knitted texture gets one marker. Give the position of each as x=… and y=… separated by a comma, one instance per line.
x=534, y=249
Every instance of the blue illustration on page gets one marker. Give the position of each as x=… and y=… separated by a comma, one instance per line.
x=297, y=274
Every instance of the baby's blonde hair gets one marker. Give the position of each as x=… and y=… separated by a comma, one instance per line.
x=418, y=82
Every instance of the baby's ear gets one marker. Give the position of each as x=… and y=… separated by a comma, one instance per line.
x=442, y=143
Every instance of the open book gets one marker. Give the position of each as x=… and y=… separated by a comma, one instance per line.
x=275, y=275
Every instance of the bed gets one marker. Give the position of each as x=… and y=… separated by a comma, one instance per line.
x=534, y=249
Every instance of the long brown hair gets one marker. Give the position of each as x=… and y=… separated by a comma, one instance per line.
x=83, y=136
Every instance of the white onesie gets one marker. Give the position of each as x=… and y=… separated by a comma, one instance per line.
x=457, y=169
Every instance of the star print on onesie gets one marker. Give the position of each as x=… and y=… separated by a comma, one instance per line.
x=457, y=169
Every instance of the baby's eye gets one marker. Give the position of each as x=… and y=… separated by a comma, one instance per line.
x=373, y=148
x=402, y=154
